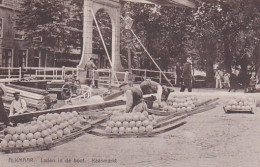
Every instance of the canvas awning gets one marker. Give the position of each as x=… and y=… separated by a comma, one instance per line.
x=181, y=3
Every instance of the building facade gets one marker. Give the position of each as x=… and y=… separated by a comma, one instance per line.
x=14, y=49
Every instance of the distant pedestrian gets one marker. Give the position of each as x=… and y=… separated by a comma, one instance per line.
x=90, y=66
x=252, y=83
x=218, y=77
x=234, y=83
x=226, y=82
x=187, y=76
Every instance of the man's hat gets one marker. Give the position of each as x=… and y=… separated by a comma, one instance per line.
x=16, y=93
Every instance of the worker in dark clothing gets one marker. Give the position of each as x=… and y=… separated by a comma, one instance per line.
x=149, y=87
x=3, y=114
x=134, y=98
x=187, y=76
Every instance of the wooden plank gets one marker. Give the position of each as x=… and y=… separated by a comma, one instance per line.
x=79, y=108
x=35, y=101
x=163, y=113
x=158, y=112
x=29, y=89
x=173, y=120
x=139, y=135
x=201, y=105
x=24, y=93
x=207, y=102
x=168, y=128
x=27, y=149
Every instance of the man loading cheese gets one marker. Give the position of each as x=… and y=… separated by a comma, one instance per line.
x=134, y=98
x=149, y=87
x=18, y=105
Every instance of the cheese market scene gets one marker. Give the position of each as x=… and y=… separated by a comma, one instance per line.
x=131, y=83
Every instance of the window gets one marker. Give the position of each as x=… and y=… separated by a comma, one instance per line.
x=1, y=27
x=37, y=58
x=19, y=34
x=22, y=58
x=7, y=57
x=1, y=2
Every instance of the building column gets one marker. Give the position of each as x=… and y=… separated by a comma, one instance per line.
x=116, y=60
x=87, y=38
x=87, y=33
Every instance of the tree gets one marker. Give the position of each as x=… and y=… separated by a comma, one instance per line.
x=50, y=26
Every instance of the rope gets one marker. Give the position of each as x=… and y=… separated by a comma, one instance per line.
x=102, y=39
x=149, y=55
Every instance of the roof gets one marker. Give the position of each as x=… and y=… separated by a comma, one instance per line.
x=173, y=3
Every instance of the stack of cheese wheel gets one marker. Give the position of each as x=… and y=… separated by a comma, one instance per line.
x=180, y=103
x=240, y=104
x=43, y=130
x=130, y=123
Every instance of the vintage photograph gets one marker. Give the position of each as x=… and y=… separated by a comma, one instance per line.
x=129, y=83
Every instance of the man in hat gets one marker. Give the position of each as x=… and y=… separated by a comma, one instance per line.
x=187, y=75
x=134, y=98
x=148, y=87
x=3, y=114
x=90, y=65
x=18, y=105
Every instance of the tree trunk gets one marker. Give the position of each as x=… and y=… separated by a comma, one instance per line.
x=210, y=58
x=228, y=57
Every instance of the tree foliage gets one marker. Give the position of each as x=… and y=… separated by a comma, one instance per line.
x=216, y=31
x=44, y=19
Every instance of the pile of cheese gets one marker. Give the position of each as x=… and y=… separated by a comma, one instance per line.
x=130, y=123
x=43, y=130
x=240, y=104
x=180, y=103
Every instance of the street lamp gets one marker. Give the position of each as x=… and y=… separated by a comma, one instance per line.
x=128, y=25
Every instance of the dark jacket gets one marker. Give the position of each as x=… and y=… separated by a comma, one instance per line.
x=187, y=73
x=137, y=96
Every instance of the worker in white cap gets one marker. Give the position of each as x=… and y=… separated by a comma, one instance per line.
x=18, y=105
